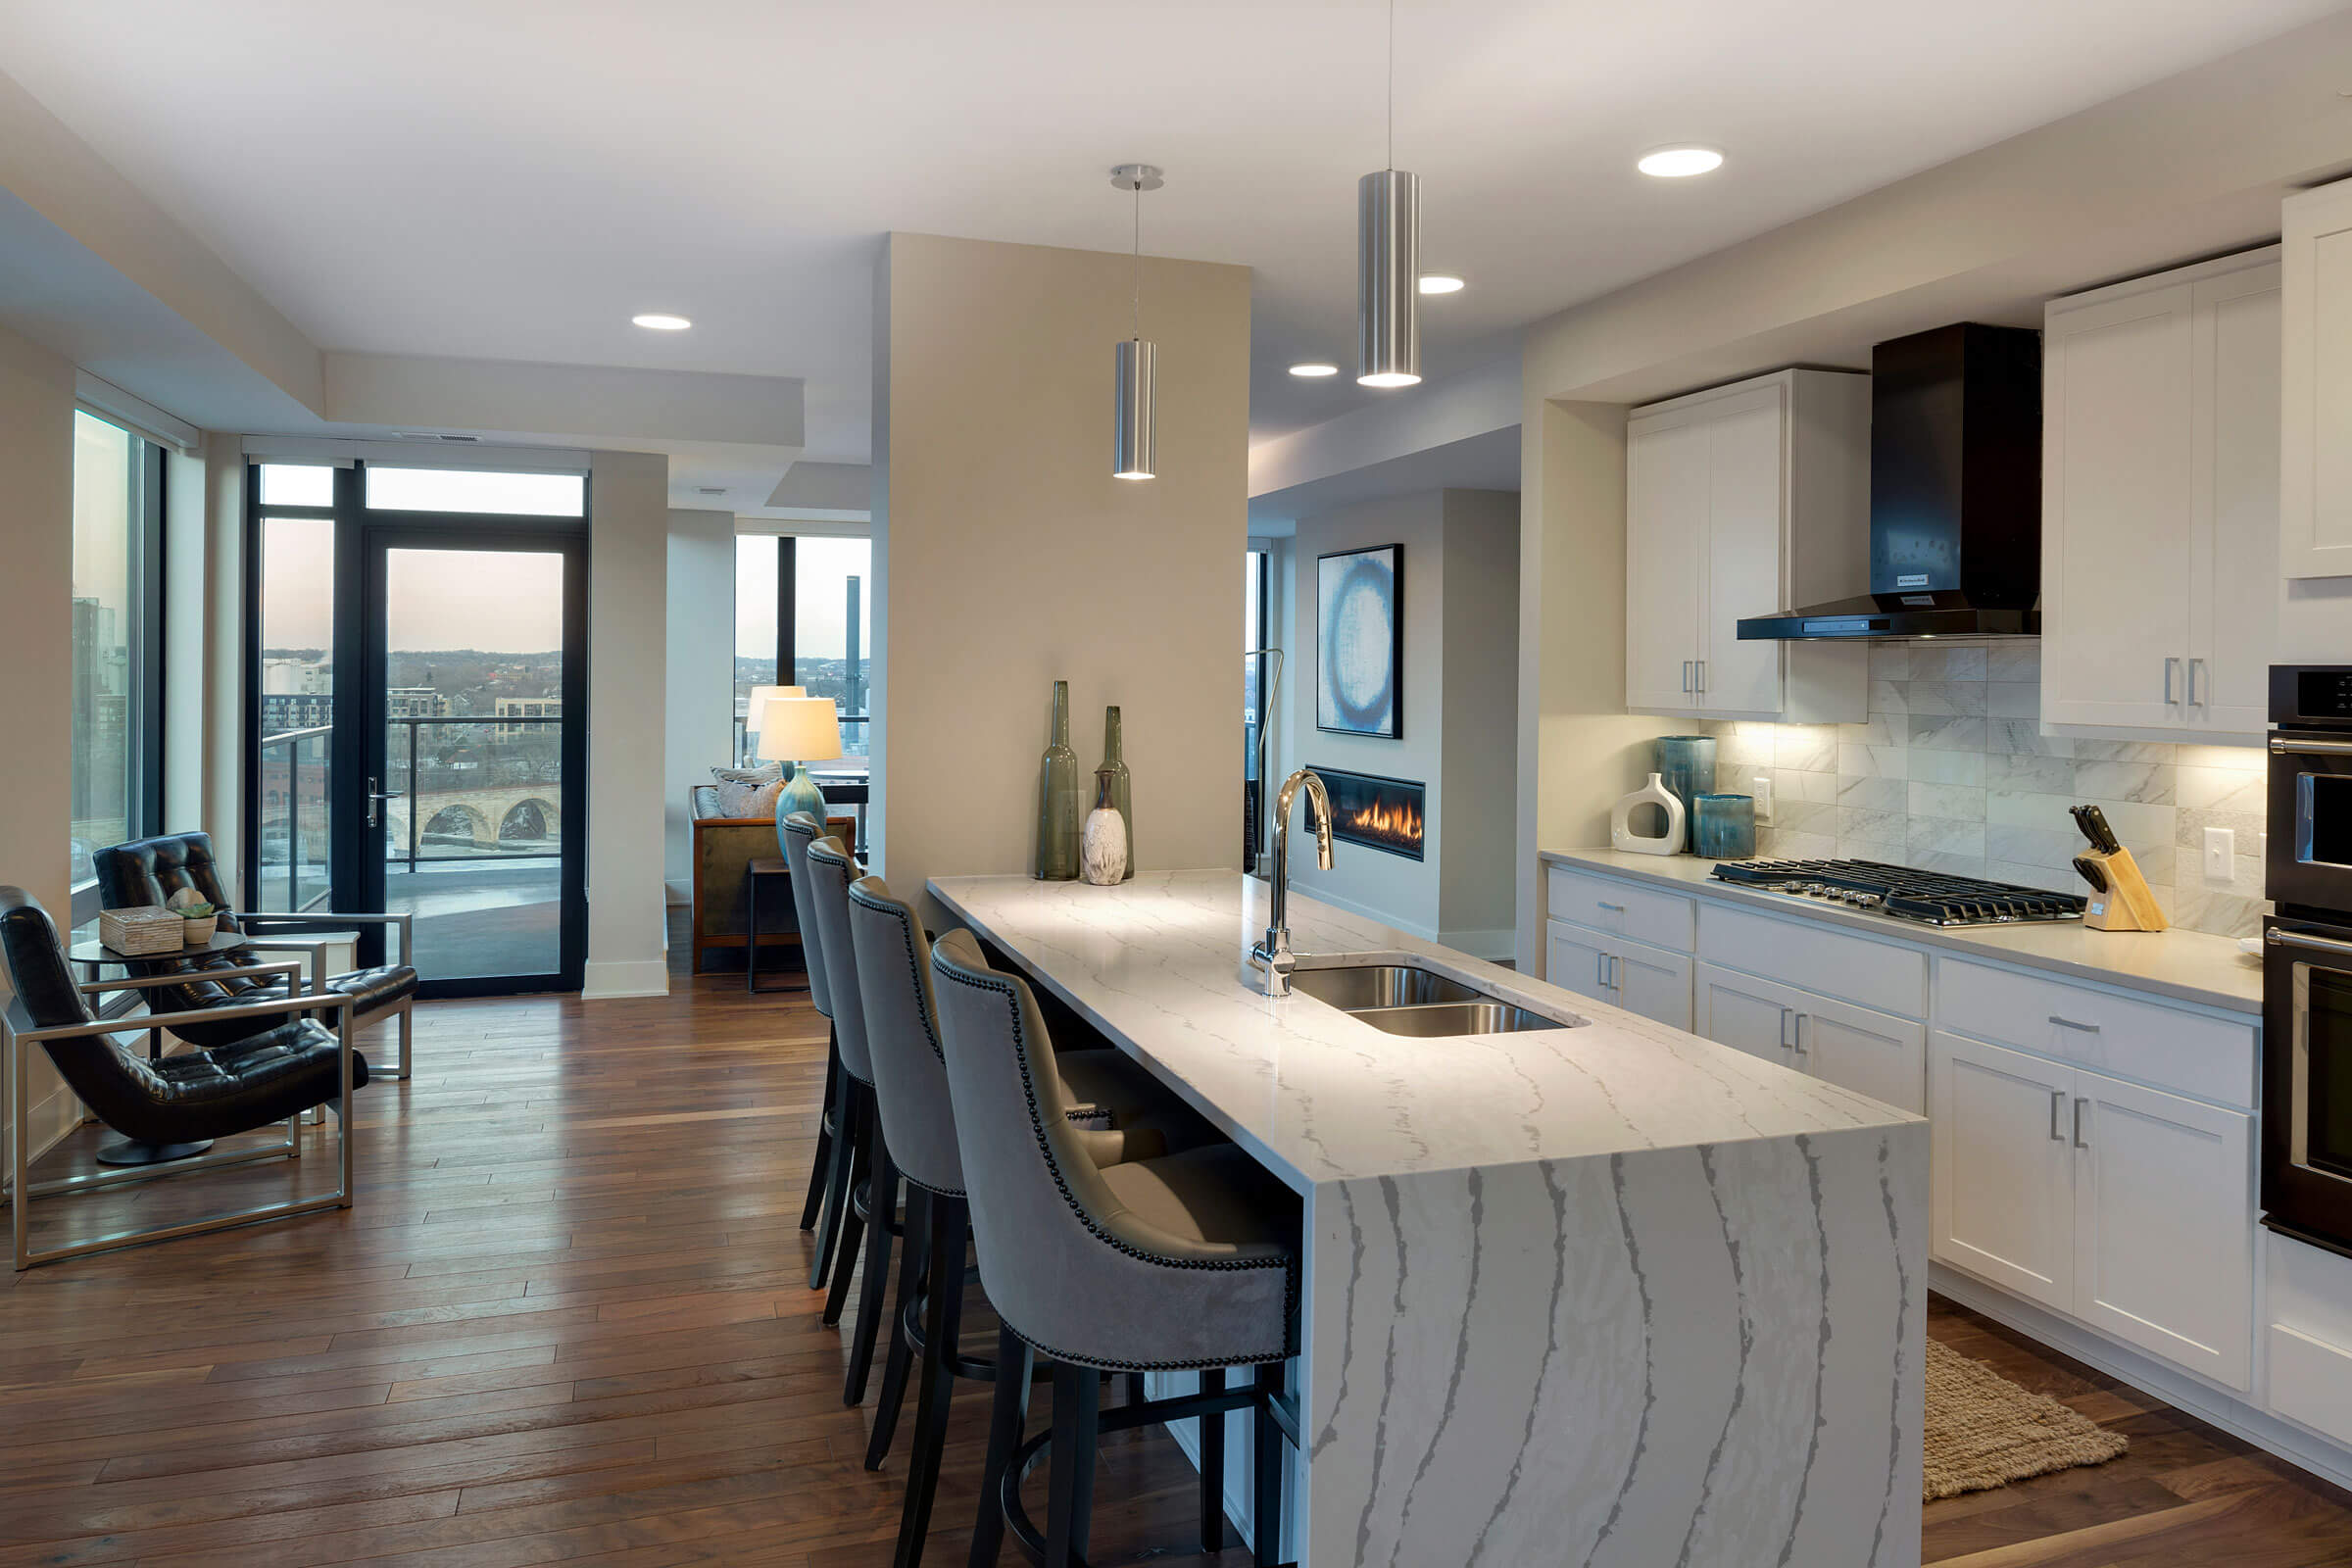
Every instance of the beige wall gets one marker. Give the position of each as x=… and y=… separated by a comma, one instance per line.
x=628, y=655
x=36, y=715
x=699, y=676
x=1005, y=555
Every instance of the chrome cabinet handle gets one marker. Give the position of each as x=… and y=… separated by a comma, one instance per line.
x=1600, y=970
x=1702, y=677
x=1799, y=1042
x=2079, y=1141
x=1786, y=1015
x=1613, y=908
x=2167, y=680
x=1686, y=674
x=2069, y=1023
x=1616, y=973
x=2192, y=683
x=2057, y=1105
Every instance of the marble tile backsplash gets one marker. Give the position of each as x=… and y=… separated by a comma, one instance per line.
x=1951, y=772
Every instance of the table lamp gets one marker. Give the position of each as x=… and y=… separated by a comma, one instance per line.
x=799, y=730
x=759, y=699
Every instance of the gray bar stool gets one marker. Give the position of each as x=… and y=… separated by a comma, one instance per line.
x=918, y=1140
x=1187, y=1262
x=872, y=1182
x=829, y=1171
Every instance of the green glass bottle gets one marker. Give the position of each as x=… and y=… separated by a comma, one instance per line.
x=1058, y=806
x=1122, y=787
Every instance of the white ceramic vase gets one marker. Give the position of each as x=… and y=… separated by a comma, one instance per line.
x=1621, y=828
x=1103, y=848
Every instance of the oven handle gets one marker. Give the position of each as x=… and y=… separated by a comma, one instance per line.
x=2304, y=939
x=2289, y=746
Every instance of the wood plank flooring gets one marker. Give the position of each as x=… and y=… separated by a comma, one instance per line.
x=569, y=1321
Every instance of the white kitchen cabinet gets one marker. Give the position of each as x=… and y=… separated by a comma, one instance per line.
x=2128, y=1208
x=2160, y=492
x=2314, y=462
x=2163, y=1224
x=1641, y=979
x=1716, y=485
x=2001, y=1181
x=1870, y=1053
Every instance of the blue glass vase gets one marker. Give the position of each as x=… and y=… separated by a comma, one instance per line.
x=1723, y=827
x=1686, y=765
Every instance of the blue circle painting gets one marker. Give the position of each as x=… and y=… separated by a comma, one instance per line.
x=1358, y=594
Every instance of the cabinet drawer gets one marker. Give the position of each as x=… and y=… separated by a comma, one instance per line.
x=1620, y=909
x=2187, y=1053
x=1831, y=963
x=2310, y=1336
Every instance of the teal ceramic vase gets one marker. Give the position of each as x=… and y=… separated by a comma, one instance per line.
x=1122, y=787
x=1060, y=807
x=798, y=794
x=1723, y=827
x=1685, y=765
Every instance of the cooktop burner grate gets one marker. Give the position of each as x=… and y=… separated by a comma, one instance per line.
x=1928, y=897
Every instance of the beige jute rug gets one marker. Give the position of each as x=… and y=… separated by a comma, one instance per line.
x=1984, y=1431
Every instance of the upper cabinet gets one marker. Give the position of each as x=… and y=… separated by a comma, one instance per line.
x=2160, y=500
x=1739, y=501
x=2316, y=467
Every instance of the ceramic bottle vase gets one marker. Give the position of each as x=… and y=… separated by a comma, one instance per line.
x=1687, y=766
x=1058, y=798
x=1102, y=851
x=1122, y=788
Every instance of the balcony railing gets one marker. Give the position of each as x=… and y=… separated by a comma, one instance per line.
x=855, y=728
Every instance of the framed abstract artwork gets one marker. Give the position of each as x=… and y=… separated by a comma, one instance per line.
x=1359, y=641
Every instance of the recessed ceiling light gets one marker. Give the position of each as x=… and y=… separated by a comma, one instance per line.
x=1388, y=378
x=1440, y=283
x=1679, y=162
x=1314, y=369
x=660, y=322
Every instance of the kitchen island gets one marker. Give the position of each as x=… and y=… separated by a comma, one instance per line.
x=1605, y=1294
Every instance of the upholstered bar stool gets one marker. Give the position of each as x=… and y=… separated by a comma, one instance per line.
x=1187, y=1262
x=918, y=1137
x=829, y=1171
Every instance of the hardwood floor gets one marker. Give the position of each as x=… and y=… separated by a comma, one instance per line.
x=568, y=1319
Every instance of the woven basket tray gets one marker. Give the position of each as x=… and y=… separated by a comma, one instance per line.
x=142, y=930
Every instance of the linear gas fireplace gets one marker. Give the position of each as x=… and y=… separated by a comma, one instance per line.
x=1386, y=813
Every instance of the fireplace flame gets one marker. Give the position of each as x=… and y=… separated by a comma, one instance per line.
x=1402, y=823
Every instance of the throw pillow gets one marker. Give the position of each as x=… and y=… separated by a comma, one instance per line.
x=761, y=801
x=749, y=775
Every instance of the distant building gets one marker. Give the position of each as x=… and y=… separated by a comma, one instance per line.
x=526, y=707
x=416, y=702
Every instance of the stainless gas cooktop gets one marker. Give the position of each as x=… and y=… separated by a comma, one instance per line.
x=1928, y=897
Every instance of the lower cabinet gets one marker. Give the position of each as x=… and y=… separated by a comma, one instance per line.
x=2128, y=1208
x=1870, y=1053
x=1632, y=976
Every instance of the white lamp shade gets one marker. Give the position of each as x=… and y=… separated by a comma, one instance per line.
x=800, y=729
x=760, y=697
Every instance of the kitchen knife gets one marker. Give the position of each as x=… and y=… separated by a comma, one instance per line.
x=2092, y=872
x=2081, y=816
x=2095, y=822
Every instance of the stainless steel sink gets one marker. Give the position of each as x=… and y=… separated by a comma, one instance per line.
x=1386, y=985
x=1439, y=1020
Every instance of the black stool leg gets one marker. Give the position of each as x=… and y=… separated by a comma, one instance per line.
x=837, y=1182
x=823, y=1162
x=1265, y=1487
x=857, y=1129
x=1212, y=1467
x=1077, y=1407
x=1008, y=1423
x=874, y=1295
x=943, y=1315
x=914, y=1247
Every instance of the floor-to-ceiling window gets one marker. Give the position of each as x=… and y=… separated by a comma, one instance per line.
x=762, y=567
x=832, y=641
x=116, y=672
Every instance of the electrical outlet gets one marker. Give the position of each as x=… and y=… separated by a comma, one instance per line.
x=2221, y=853
x=1761, y=788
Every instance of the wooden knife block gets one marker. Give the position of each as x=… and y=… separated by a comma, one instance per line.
x=2128, y=904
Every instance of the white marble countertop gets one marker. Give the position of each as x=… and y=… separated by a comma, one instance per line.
x=2186, y=965
x=1321, y=1097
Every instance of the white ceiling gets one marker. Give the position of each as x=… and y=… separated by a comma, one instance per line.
x=508, y=180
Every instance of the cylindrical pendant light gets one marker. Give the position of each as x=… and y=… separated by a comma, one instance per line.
x=1135, y=364
x=1387, y=278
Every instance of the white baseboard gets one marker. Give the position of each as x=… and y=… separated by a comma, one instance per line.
x=624, y=977
x=1384, y=916
x=2200, y=1399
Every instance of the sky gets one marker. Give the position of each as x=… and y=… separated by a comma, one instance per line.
x=820, y=568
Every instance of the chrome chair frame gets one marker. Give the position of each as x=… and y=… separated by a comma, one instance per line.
x=16, y=1031
x=317, y=948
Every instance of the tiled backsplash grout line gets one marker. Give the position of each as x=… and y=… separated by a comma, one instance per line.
x=1951, y=772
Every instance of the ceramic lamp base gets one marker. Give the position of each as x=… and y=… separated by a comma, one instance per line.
x=800, y=793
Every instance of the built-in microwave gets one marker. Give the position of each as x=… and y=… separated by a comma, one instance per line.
x=2308, y=865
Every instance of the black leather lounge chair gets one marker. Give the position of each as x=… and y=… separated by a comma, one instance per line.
x=148, y=871
x=290, y=1065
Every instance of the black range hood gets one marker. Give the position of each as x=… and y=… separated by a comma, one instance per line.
x=1955, y=494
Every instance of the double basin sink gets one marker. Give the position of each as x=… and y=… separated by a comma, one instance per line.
x=1404, y=1000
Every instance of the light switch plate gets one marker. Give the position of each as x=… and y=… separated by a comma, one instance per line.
x=2221, y=853
x=1761, y=788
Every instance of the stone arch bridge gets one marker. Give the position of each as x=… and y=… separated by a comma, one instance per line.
x=496, y=816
